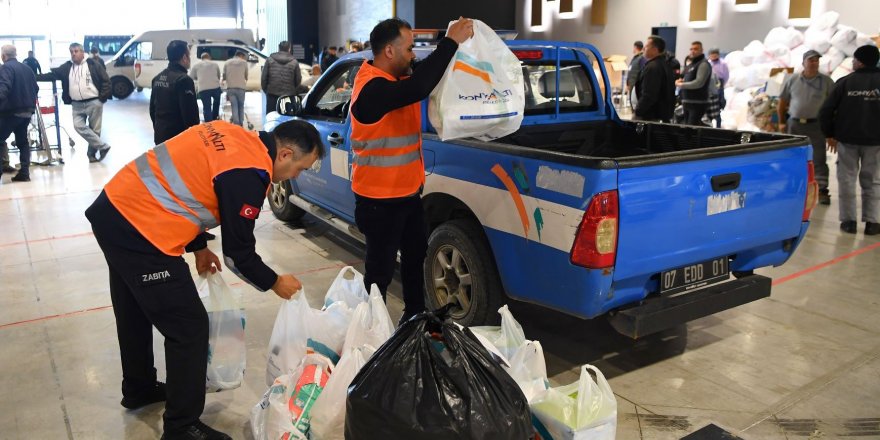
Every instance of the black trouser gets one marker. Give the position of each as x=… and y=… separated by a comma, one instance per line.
x=693, y=113
x=271, y=103
x=390, y=225
x=18, y=126
x=210, y=103
x=820, y=162
x=153, y=289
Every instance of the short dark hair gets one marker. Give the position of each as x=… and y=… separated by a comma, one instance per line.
x=714, y=50
x=385, y=32
x=94, y=49
x=284, y=46
x=299, y=135
x=639, y=44
x=698, y=43
x=176, y=50
x=658, y=42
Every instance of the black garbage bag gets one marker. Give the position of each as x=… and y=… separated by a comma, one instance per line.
x=430, y=381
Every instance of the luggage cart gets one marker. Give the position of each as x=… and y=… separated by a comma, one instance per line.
x=47, y=153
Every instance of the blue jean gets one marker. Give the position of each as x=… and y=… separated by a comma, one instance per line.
x=236, y=101
x=18, y=126
x=210, y=103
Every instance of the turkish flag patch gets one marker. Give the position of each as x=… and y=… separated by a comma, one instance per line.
x=249, y=212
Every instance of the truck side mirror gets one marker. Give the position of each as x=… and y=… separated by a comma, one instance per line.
x=252, y=58
x=289, y=105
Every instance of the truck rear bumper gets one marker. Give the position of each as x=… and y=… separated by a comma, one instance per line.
x=655, y=314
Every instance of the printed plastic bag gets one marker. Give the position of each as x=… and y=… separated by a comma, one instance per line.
x=300, y=329
x=227, y=355
x=370, y=323
x=431, y=380
x=482, y=93
x=284, y=412
x=586, y=409
x=351, y=291
x=328, y=413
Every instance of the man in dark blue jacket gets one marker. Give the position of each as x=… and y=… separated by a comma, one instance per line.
x=18, y=97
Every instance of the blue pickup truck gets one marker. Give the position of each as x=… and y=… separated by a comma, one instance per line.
x=650, y=224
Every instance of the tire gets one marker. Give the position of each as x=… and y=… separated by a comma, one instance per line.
x=279, y=201
x=121, y=87
x=461, y=244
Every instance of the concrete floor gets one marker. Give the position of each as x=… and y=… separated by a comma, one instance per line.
x=804, y=363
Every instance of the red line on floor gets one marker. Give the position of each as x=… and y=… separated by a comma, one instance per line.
x=61, y=315
x=854, y=253
x=41, y=196
x=53, y=238
x=97, y=309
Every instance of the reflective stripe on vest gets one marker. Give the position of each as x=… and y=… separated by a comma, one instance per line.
x=388, y=142
x=387, y=161
x=172, y=176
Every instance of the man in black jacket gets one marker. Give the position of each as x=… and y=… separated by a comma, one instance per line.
x=655, y=87
x=86, y=87
x=18, y=97
x=173, y=106
x=849, y=121
x=695, y=86
x=281, y=75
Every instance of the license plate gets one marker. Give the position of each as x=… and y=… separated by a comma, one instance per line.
x=694, y=276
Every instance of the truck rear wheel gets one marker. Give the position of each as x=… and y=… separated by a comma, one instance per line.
x=279, y=201
x=121, y=87
x=459, y=269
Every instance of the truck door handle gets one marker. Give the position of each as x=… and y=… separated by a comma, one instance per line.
x=726, y=182
x=334, y=138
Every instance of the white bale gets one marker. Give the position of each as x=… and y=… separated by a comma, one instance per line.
x=734, y=60
x=845, y=39
x=753, y=53
x=781, y=55
x=795, y=37
x=777, y=35
x=828, y=20
x=844, y=69
x=818, y=39
x=831, y=60
x=864, y=40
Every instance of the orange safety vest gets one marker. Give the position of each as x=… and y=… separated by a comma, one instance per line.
x=387, y=155
x=167, y=193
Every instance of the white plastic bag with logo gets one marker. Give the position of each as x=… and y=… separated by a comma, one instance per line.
x=300, y=329
x=328, y=413
x=586, y=409
x=481, y=94
x=349, y=290
x=227, y=355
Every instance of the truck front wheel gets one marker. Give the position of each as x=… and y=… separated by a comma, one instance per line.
x=121, y=87
x=459, y=269
x=279, y=201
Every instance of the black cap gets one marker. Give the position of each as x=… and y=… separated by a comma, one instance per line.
x=811, y=53
x=867, y=55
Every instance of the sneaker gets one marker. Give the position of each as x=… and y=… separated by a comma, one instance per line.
x=102, y=153
x=209, y=236
x=824, y=197
x=21, y=178
x=872, y=228
x=196, y=431
x=9, y=169
x=848, y=226
x=157, y=394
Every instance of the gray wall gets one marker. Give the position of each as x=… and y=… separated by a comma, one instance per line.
x=630, y=20
x=341, y=20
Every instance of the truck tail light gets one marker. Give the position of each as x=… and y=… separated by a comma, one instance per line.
x=137, y=69
x=595, y=245
x=529, y=54
x=812, y=192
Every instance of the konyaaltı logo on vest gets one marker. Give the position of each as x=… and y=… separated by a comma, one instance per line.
x=864, y=93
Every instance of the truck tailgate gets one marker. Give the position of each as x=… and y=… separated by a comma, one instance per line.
x=672, y=217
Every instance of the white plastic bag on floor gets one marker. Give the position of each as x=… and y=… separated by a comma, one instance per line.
x=300, y=329
x=370, y=323
x=529, y=370
x=508, y=337
x=349, y=290
x=481, y=94
x=227, y=355
x=328, y=413
x=586, y=409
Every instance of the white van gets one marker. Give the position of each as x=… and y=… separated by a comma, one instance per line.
x=148, y=50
